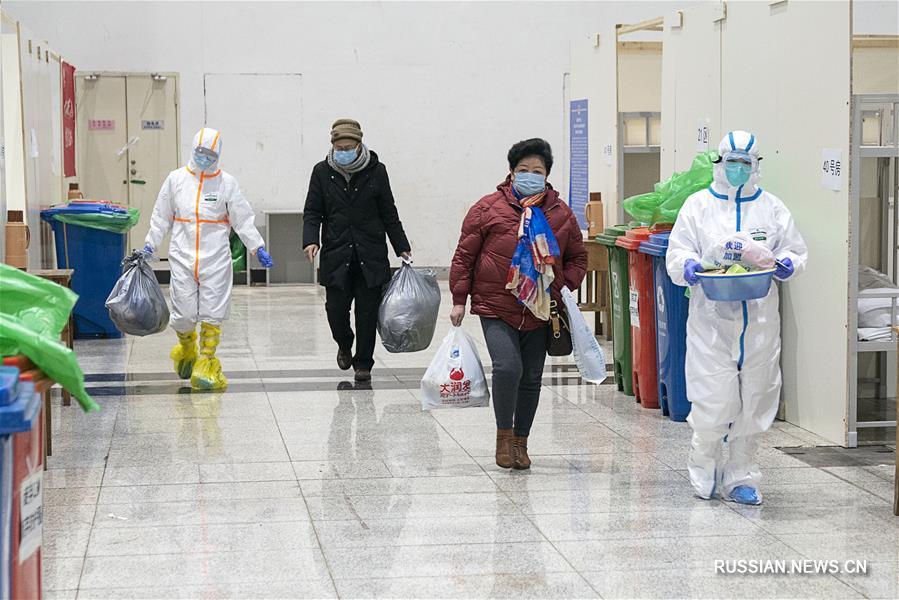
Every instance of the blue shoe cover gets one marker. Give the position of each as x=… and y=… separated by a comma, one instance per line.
x=743, y=494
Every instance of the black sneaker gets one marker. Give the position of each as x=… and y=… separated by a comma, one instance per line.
x=363, y=375
x=344, y=359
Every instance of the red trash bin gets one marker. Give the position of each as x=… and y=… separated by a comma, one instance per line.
x=27, y=488
x=643, y=320
x=27, y=509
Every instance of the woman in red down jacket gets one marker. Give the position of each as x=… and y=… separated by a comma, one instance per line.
x=498, y=232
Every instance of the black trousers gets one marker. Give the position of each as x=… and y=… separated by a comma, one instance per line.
x=365, y=301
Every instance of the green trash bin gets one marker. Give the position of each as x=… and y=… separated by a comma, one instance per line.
x=238, y=253
x=621, y=315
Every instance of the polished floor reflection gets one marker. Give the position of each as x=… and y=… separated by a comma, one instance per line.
x=298, y=484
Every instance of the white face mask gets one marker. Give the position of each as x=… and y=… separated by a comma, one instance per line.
x=529, y=184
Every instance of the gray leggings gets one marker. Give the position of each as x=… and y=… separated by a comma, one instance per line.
x=518, y=358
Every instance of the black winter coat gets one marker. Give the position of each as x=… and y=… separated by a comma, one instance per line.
x=355, y=219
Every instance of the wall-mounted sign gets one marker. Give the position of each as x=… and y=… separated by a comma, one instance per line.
x=153, y=124
x=101, y=124
x=832, y=169
x=68, y=119
x=579, y=175
x=702, y=135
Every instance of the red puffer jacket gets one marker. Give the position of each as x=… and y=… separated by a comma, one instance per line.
x=484, y=254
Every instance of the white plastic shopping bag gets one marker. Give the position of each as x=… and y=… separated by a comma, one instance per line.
x=456, y=377
x=739, y=248
x=588, y=354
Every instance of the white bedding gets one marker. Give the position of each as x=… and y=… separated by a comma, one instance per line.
x=875, y=314
x=874, y=334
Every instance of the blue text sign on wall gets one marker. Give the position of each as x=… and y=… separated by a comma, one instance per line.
x=579, y=179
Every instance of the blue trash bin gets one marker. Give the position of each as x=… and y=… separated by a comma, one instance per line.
x=19, y=409
x=672, y=307
x=96, y=256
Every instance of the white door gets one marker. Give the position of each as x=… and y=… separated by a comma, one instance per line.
x=127, y=141
x=101, y=131
x=153, y=122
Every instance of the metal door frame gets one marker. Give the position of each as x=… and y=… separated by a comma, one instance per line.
x=647, y=148
x=861, y=105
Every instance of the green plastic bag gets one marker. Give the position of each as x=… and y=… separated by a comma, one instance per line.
x=107, y=221
x=663, y=204
x=33, y=313
x=238, y=253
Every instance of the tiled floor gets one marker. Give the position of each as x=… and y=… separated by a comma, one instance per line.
x=293, y=484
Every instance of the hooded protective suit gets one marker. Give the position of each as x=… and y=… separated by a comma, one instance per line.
x=733, y=348
x=200, y=208
x=200, y=204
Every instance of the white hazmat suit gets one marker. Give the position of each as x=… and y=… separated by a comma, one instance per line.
x=733, y=348
x=200, y=208
x=200, y=205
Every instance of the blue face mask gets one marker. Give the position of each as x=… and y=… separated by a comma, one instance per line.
x=204, y=161
x=528, y=184
x=345, y=157
x=737, y=173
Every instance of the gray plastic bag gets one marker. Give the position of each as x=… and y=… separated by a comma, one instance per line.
x=136, y=304
x=408, y=314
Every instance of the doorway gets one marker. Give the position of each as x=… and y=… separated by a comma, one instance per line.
x=127, y=140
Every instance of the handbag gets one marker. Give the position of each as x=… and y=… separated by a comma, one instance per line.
x=558, y=333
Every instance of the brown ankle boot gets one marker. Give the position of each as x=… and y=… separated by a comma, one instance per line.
x=520, y=458
x=504, y=439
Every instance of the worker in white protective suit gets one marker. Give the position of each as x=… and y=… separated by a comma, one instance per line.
x=201, y=204
x=733, y=348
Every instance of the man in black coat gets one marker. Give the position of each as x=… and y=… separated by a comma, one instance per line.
x=350, y=203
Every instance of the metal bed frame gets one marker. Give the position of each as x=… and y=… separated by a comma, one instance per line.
x=884, y=110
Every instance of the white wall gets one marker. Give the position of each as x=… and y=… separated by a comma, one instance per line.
x=41, y=183
x=442, y=89
x=640, y=76
x=14, y=172
x=802, y=73
x=593, y=77
x=875, y=17
x=875, y=70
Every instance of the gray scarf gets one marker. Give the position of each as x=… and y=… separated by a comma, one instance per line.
x=354, y=167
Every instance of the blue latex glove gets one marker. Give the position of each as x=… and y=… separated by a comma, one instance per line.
x=148, y=250
x=784, y=269
x=691, y=267
x=265, y=259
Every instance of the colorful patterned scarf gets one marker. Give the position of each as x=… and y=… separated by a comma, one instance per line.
x=531, y=273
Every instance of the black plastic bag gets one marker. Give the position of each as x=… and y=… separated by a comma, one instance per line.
x=408, y=314
x=136, y=304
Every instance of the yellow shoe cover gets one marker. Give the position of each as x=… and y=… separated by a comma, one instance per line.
x=208, y=375
x=184, y=354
